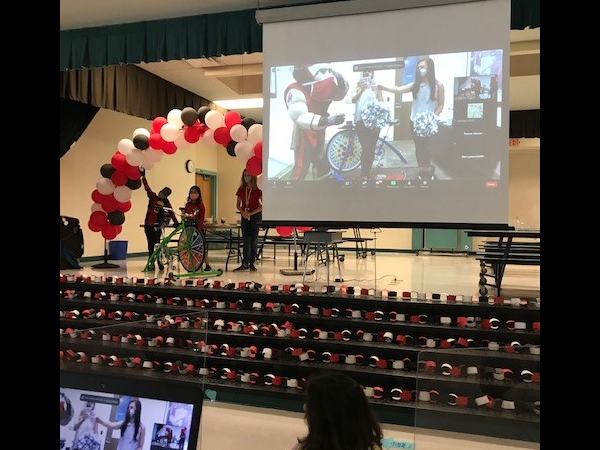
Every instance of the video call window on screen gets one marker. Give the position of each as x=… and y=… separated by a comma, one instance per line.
x=92, y=421
x=466, y=124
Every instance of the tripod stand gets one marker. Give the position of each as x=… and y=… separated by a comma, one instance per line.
x=295, y=271
x=105, y=264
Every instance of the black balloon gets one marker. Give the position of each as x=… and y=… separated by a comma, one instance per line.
x=189, y=116
x=133, y=184
x=248, y=122
x=202, y=113
x=231, y=148
x=116, y=217
x=107, y=170
x=141, y=142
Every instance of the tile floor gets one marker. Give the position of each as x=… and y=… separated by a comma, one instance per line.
x=453, y=274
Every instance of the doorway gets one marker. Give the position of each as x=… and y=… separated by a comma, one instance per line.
x=207, y=181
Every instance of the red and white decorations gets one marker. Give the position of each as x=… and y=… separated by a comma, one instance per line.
x=180, y=129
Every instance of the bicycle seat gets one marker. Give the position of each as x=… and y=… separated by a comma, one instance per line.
x=393, y=122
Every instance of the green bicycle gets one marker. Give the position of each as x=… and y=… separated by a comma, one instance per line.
x=189, y=249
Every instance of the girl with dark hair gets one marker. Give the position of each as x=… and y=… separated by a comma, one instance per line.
x=249, y=204
x=428, y=102
x=338, y=415
x=132, y=429
x=195, y=211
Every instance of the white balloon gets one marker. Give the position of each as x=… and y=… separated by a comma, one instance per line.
x=255, y=133
x=244, y=150
x=105, y=186
x=96, y=207
x=174, y=118
x=209, y=138
x=134, y=158
x=214, y=119
x=144, y=158
x=148, y=165
x=180, y=141
x=238, y=133
x=259, y=181
x=139, y=131
x=125, y=146
x=169, y=132
x=122, y=194
x=153, y=155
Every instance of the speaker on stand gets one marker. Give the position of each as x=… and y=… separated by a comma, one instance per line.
x=71, y=243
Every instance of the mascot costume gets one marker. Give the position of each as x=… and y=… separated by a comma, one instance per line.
x=307, y=101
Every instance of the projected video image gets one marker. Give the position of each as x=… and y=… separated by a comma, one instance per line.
x=102, y=421
x=412, y=120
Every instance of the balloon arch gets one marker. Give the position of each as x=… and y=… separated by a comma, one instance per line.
x=180, y=129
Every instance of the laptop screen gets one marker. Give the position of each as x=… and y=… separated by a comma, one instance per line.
x=101, y=411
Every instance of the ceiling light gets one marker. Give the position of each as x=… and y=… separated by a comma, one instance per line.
x=240, y=103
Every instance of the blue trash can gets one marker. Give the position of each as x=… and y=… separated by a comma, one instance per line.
x=117, y=250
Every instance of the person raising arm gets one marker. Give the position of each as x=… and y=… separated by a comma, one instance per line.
x=132, y=430
x=428, y=102
x=155, y=215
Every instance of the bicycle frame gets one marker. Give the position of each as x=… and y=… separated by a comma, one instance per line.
x=162, y=248
x=190, y=249
x=344, y=150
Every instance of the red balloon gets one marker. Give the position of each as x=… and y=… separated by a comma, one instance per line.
x=232, y=118
x=254, y=166
x=169, y=148
x=202, y=129
x=118, y=161
x=258, y=150
x=303, y=228
x=118, y=178
x=119, y=229
x=124, y=207
x=97, y=196
x=156, y=141
x=157, y=123
x=109, y=231
x=285, y=231
x=222, y=136
x=98, y=218
x=133, y=173
x=191, y=134
x=95, y=228
x=110, y=203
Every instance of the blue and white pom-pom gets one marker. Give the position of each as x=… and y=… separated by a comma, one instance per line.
x=425, y=124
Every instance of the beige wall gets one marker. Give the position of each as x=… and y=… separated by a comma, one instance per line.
x=230, y=175
x=524, y=186
x=80, y=169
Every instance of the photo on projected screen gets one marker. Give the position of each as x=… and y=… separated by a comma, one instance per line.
x=321, y=115
x=95, y=421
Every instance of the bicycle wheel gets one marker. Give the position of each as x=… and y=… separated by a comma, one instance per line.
x=191, y=248
x=343, y=151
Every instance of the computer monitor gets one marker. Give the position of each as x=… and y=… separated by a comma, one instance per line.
x=104, y=411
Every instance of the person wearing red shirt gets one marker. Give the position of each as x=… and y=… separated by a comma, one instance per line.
x=155, y=215
x=195, y=211
x=249, y=204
